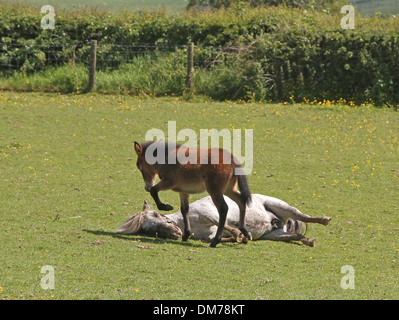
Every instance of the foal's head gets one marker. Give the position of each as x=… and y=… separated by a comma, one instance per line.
x=147, y=171
x=151, y=223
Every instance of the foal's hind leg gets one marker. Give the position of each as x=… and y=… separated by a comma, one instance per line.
x=235, y=196
x=222, y=207
x=236, y=234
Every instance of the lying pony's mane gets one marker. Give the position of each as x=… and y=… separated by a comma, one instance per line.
x=133, y=224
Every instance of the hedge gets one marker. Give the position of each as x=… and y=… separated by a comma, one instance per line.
x=287, y=54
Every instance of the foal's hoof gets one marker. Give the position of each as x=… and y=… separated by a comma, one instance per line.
x=214, y=242
x=248, y=236
x=246, y=233
x=165, y=207
x=185, y=237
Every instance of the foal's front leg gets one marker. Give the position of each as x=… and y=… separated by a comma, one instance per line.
x=184, y=206
x=162, y=185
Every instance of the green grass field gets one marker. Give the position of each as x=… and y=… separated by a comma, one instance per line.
x=369, y=7
x=68, y=179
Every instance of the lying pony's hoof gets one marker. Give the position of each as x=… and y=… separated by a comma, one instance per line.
x=325, y=220
x=240, y=237
x=309, y=242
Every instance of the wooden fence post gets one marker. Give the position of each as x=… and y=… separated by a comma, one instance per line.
x=190, y=68
x=92, y=64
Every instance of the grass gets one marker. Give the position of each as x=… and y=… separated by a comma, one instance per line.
x=68, y=180
x=369, y=7
x=164, y=74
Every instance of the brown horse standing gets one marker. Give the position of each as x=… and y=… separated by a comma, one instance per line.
x=190, y=171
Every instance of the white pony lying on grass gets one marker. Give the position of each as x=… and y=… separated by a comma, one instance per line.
x=267, y=218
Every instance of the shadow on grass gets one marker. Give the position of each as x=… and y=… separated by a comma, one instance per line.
x=146, y=239
x=151, y=240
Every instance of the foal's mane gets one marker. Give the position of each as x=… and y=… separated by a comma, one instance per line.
x=133, y=224
x=167, y=144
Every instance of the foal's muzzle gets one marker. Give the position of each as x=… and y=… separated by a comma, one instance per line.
x=147, y=187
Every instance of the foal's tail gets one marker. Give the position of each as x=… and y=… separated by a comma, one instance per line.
x=242, y=185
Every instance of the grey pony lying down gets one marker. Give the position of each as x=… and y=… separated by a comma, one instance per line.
x=267, y=218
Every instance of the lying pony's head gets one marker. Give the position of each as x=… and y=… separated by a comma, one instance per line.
x=151, y=223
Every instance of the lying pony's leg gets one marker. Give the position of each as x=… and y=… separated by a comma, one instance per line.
x=230, y=239
x=281, y=235
x=284, y=211
x=236, y=233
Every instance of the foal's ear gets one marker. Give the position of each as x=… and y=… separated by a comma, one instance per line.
x=138, y=148
x=146, y=206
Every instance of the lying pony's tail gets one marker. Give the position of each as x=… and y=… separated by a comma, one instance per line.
x=296, y=226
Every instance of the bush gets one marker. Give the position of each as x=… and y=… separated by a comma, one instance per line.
x=149, y=75
x=330, y=66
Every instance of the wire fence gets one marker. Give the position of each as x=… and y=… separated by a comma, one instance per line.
x=222, y=72
x=30, y=57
